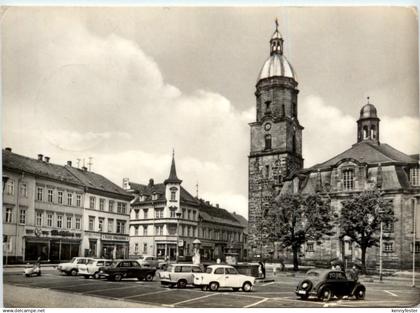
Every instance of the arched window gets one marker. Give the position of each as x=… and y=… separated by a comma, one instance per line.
x=283, y=112
x=365, y=132
x=373, y=132
x=267, y=142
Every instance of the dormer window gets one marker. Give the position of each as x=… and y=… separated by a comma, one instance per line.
x=348, y=175
x=415, y=176
x=155, y=196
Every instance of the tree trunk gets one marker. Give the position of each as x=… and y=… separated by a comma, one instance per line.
x=363, y=248
x=295, y=258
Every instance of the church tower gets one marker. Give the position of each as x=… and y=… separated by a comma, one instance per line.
x=276, y=137
x=368, y=124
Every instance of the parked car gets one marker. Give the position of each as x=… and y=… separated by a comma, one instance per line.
x=326, y=283
x=127, y=269
x=148, y=261
x=93, y=267
x=162, y=264
x=179, y=275
x=223, y=276
x=72, y=267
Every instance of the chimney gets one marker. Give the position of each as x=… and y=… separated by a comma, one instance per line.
x=208, y=202
x=8, y=149
x=47, y=159
x=69, y=163
x=217, y=205
x=40, y=157
x=151, y=182
x=84, y=168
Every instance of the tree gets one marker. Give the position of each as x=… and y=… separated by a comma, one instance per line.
x=294, y=219
x=361, y=218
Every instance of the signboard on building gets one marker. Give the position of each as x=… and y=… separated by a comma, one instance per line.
x=114, y=237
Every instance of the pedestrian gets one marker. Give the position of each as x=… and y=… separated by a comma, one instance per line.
x=261, y=269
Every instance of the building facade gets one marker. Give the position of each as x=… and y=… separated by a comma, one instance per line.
x=369, y=164
x=166, y=219
x=44, y=209
x=276, y=136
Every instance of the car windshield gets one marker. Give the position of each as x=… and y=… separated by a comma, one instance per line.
x=312, y=274
x=169, y=268
x=209, y=270
x=73, y=260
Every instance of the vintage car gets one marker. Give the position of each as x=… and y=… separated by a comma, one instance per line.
x=223, y=276
x=127, y=269
x=72, y=267
x=93, y=267
x=179, y=275
x=325, y=284
x=148, y=261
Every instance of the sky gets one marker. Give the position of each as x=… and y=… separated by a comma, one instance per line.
x=127, y=85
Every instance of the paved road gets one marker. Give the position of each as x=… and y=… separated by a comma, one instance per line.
x=279, y=293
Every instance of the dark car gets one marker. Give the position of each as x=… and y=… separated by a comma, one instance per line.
x=127, y=269
x=325, y=284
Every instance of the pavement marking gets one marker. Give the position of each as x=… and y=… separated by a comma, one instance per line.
x=123, y=287
x=268, y=284
x=391, y=293
x=256, y=303
x=198, y=298
x=296, y=300
x=146, y=294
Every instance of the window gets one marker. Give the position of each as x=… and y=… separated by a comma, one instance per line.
x=60, y=197
x=154, y=196
x=219, y=271
x=120, y=227
x=111, y=206
x=59, y=221
x=69, y=222
x=310, y=247
x=145, y=230
x=183, y=213
x=101, y=224
x=267, y=171
x=92, y=202
x=189, y=214
x=136, y=248
x=267, y=142
x=22, y=216
x=78, y=200
x=173, y=213
x=173, y=195
x=158, y=213
x=39, y=193
x=283, y=111
x=348, y=179
x=159, y=230
x=50, y=195
x=388, y=226
x=110, y=225
x=38, y=219
x=69, y=198
x=23, y=190
x=10, y=187
x=136, y=230
x=101, y=204
x=189, y=231
x=145, y=211
x=194, y=215
x=231, y=271
x=417, y=247
x=91, y=222
x=49, y=220
x=145, y=248
x=119, y=208
x=8, y=215
x=136, y=214
x=388, y=247
x=77, y=222
x=415, y=176
x=123, y=208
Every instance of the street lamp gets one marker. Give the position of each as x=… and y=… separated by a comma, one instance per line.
x=414, y=242
x=380, y=212
x=178, y=216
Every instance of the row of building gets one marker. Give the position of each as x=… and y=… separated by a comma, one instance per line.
x=57, y=212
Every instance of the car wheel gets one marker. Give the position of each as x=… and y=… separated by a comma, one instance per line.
x=149, y=277
x=326, y=294
x=235, y=289
x=204, y=288
x=360, y=293
x=247, y=286
x=213, y=286
x=303, y=297
x=96, y=275
x=73, y=272
x=27, y=275
x=117, y=277
x=182, y=283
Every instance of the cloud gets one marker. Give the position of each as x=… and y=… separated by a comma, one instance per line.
x=403, y=133
x=104, y=97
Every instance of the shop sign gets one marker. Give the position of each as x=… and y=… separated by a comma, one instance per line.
x=114, y=237
x=64, y=233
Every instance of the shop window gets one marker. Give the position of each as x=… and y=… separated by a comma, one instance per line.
x=60, y=197
x=348, y=176
x=8, y=215
x=50, y=195
x=59, y=221
x=7, y=243
x=22, y=216
x=39, y=193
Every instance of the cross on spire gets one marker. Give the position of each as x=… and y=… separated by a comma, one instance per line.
x=368, y=99
x=277, y=24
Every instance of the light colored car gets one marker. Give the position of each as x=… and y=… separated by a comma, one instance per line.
x=93, y=267
x=223, y=276
x=72, y=267
x=148, y=261
x=179, y=275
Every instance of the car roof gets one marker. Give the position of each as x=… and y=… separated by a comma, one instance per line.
x=220, y=265
x=184, y=264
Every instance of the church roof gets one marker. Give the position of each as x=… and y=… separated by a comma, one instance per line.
x=172, y=174
x=276, y=65
x=367, y=152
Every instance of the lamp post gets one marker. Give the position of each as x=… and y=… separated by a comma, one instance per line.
x=178, y=216
x=414, y=242
x=380, y=212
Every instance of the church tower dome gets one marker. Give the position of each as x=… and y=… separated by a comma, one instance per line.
x=368, y=124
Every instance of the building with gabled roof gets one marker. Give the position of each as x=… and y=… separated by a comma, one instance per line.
x=166, y=219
